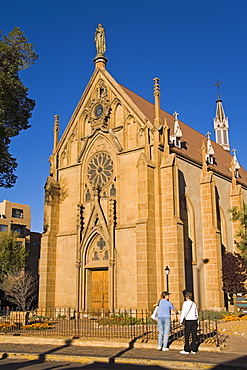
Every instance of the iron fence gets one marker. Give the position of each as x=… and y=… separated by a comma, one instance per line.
x=130, y=325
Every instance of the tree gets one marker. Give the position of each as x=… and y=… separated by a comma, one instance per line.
x=240, y=215
x=16, y=54
x=12, y=254
x=20, y=289
x=234, y=273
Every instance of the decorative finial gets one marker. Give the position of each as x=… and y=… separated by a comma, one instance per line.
x=56, y=121
x=204, y=159
x=156, y=102
x=177, y=132
x=236, y=164
x=56, y=130
x=156, y=86
x=210, y=150
x=218, y=83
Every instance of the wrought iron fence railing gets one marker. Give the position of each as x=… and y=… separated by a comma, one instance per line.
x=130, y=325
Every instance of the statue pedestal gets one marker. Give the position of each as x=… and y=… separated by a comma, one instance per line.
x=100, y=61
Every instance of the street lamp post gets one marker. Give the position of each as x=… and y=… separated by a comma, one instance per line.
x=167, y=271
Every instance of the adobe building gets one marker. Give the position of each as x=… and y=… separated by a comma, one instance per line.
x=17, y=217
x=131, y=190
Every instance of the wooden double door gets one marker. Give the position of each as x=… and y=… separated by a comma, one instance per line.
x=99, y=290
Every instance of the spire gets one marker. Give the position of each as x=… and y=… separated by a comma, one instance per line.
x=56, y=131
x=221, y=126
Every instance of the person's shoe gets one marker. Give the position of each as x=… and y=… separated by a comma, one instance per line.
x=193, y=352
x=159, y=348
x=184, y=352
x=165, y=349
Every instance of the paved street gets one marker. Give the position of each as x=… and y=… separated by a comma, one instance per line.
x=39, y=354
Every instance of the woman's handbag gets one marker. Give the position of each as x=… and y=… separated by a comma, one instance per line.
x=183, y=322
x=154, y=315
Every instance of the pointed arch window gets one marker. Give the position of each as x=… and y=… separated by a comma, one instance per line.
x=97, y=252
x=113, y=191
x=87, y=196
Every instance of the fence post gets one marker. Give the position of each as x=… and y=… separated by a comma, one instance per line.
x=217, y=337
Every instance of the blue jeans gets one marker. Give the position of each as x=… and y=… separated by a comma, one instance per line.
x=164, y=324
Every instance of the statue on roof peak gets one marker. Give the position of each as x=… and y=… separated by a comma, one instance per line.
x=99, y=39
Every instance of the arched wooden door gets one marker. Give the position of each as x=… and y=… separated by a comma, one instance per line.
x=99, y=290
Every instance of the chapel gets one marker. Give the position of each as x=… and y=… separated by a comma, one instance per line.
x=134, y=193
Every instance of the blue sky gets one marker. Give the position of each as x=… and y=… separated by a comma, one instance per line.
x=188, y=44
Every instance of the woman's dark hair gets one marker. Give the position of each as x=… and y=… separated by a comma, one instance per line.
x=188, y=295
x=164, y=294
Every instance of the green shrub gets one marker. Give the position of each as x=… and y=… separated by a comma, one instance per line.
x=61, y=316
x=120, y=319
x=212, y=315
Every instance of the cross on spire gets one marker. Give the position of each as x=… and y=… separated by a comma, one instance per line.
x=218, y=83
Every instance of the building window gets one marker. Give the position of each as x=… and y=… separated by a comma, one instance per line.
x=113, y=191
x=87, y=196
x=210, y=159
x=17, y=213
x=219, y=141
x=4, y=228
x=98, y=251
x=101, y=244
x=18, y=228
x=225, y=137
x=95, y=256
x=100, y=169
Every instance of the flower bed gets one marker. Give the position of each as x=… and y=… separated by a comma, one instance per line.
x=37, y=326
x=229, y=318
x=6, y=326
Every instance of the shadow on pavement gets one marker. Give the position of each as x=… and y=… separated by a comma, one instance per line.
x=30, y=363
x=111, y=366
x=239, y=363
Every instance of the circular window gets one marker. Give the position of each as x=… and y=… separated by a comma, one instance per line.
x=98, y=110
x=100, y=169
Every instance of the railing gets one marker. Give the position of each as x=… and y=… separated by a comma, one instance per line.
x=130, y=325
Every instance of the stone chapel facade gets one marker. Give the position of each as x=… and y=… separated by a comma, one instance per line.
x=131, y=190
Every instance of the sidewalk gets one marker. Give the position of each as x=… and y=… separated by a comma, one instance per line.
x=233, y=356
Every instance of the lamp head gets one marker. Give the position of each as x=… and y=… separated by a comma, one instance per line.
x=167, y=270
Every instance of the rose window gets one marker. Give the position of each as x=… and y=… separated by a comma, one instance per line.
x=100, y=169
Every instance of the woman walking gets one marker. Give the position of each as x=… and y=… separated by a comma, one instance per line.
x=190, y=316
x=164, y=320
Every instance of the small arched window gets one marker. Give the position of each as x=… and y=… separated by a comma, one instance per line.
x=113, y=191
x=87, y=196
